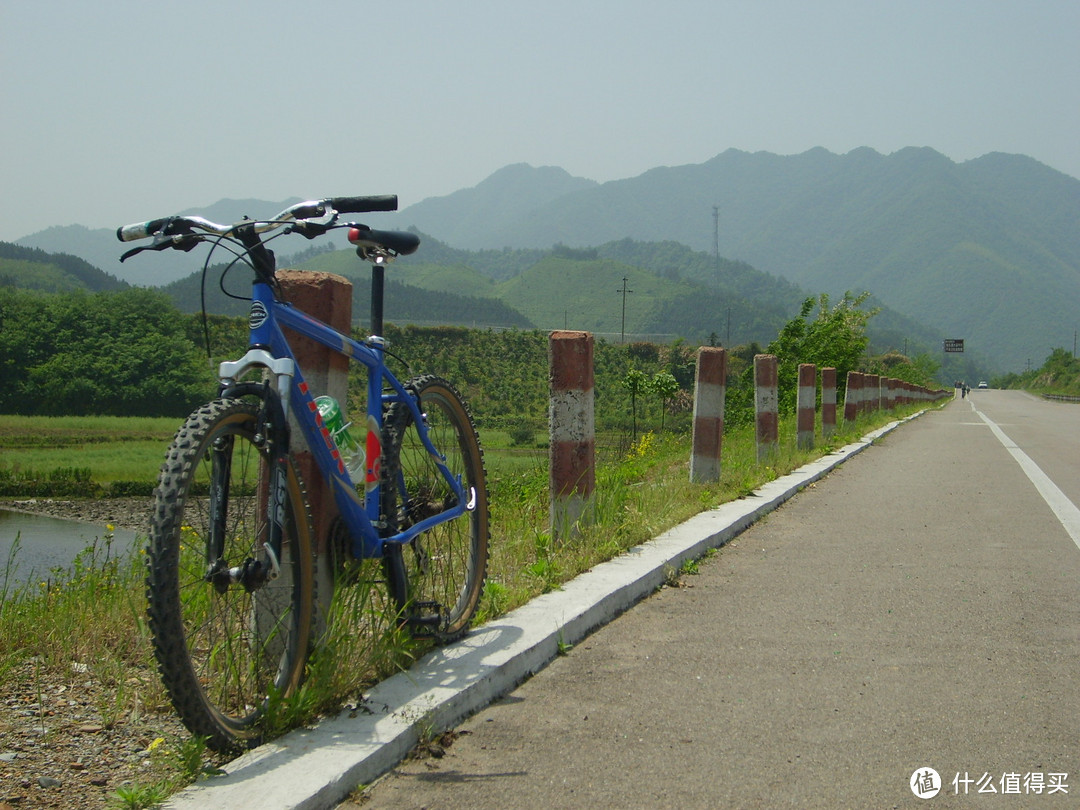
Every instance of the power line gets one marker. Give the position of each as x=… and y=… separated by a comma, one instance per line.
x=624, y=291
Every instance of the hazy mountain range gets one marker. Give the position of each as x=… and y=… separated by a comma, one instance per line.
x=987, y=250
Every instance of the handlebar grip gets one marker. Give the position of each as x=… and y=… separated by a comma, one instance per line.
x=139, y=230
x=361, y=205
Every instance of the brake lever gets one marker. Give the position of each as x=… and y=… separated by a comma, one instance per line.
x=313, y=222
x=183, y=241
x=309, y=229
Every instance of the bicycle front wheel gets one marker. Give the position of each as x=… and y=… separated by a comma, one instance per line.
x=226, y=648
x=443, y=569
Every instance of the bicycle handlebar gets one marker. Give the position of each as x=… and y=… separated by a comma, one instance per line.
x=179, y=225
x=363, y=205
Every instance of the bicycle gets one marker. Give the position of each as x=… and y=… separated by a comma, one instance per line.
x=230, y=558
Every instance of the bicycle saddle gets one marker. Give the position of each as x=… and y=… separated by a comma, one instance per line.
x=400, y=243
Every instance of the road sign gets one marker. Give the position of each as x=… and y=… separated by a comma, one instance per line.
x=954, y=345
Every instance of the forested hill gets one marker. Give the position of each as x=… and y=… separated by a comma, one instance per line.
x=672, y=292
x=987, y=250
x=33, y=269
x=404, y=303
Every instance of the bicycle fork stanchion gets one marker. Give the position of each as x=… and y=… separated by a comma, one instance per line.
x=572, y=425
x=327, y=297
x=709, y=393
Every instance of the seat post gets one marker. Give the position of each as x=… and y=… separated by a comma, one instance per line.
x=377, y=282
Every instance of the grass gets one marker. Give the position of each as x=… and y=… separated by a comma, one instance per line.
x=641, y=491
x=112, y=448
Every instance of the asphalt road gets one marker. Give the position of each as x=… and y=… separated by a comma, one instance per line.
x=915, y=609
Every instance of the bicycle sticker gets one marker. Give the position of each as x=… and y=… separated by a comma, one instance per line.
x=374, y=455
x=257, y=316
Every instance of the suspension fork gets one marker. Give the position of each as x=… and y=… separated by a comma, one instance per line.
x=272, y=440
x=220, y=472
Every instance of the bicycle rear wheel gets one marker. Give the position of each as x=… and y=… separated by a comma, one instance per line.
x=442, y=571
x=225, y=650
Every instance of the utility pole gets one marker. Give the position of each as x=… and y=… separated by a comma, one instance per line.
x=624, y=292
x=716, y=240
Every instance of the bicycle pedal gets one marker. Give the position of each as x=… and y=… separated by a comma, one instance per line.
x=425, y=618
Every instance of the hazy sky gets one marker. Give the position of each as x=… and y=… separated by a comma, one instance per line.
x=116, y=111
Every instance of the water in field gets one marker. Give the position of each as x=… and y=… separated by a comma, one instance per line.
x=46, y=543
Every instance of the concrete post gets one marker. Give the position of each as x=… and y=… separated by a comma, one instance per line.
x=807, y=405
x=851, y=396
x=766, y=403
x=828, y=402
x=709, y=390
x=807, y=401
x=573, y=432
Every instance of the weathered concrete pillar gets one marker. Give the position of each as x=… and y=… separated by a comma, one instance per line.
x=828, y=402
x=573, y=432
x=807, y=406
x=766, y=404
x=709, y=391
x=851, y=396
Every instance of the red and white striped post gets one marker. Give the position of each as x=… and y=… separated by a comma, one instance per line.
x=709, y=391
x=573, y=432
x=806, y=404
x=828, y=402
x=851, y=396
x=766, y=404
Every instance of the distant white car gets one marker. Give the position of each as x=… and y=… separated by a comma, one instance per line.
x=983, y=384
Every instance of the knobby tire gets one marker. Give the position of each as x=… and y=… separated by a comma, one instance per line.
x=225, y=656
x=440, y=575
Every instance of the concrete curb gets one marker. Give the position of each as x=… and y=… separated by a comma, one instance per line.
x=313, y=769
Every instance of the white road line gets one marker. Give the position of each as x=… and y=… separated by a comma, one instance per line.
x=1063, y=508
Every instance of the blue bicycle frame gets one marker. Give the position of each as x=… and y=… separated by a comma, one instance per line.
x=269, y=349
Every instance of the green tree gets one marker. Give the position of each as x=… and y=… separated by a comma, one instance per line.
x=920, y=369
x=121, y=353
x=664, y=385
x=636, y=383
x=836, y=338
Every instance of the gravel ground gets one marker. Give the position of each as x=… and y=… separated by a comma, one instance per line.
x=63, y=743
x=57, y=750
x=126, y=513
